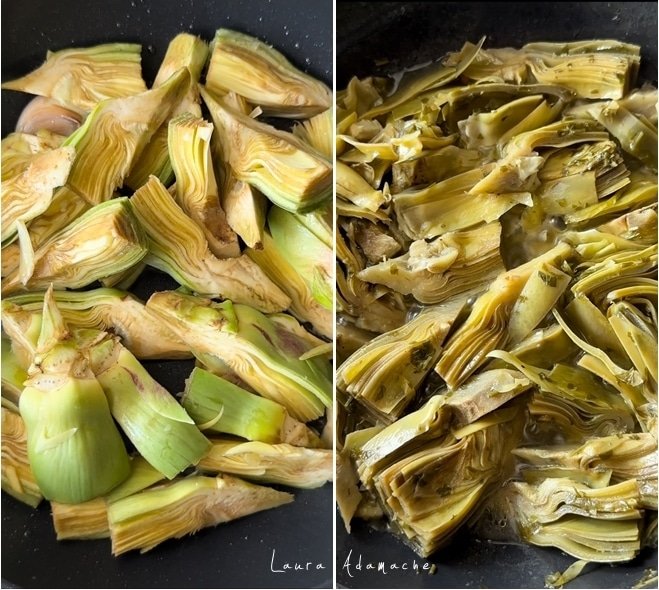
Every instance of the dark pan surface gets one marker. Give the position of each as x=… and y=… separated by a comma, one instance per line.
x=237, y=554
x=405, y=34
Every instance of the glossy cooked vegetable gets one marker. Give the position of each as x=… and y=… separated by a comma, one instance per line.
x=498, y=209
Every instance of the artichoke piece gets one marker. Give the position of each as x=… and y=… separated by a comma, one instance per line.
x=385, y=373
x=255, y=70
x=431, y=492
x=626, y=456
x=373, y=240
x=13, y=372
x=539, y=295
x=142, y=332
x=89, y=520
x=454, y=263
x=486, y=328
x=351, y=186
x=105, y=240
x=433, y=76
x=637, y=137
x=637, y=194
x=485, y=392
x=144, y=520
x=441, y=207
x=279, y=270
x=23, y=328
x=153, y=420
x=270, y=463
x=28, y=192
x=594, y=75
x=68, y=421
x=17, y=477
x=218, y=405
x=639, y=225
x=83, y=77
x=318, y=132
x=245, y=210
x=433, y=166
x=311, y=257
x=178, y=247
x=196, y=189
x=638, y=336
x=291, y=174
x=115, y=133
x=184, y=51
x=263, y=353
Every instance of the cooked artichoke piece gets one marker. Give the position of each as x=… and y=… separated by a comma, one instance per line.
x=257, y=71
x=291, y=174
x=84, y=520
x=245, y=210
x=219, y=406
x=433, y=166
x=28, y=190
x=184, y=51
x=638, y=194
x=153, y=420
x=279, y=270
x=626, y=456
x=105, y=240
x=590, y=75
x=318, y=132
x=263, y=353
x=639, y=225
x=140, y=330
x=373, y=239
x=351, y=186
x=485, y=392
x=638, y=336
x=454, y=263
x=196, y=189
x=146, y=519
x=486, y=328
x=429, y=493
x=384, y=374
x=636, y=136
x=178, y=247
x=568, y=194
x=270, y=463
x=579, y=47
x=75, y=450
x=17, y=477
x=311, y=257
x=84, y=76
x=14, y=374
x=601, y=525
x=433, y=76
x=642, y=103
x=439, y=208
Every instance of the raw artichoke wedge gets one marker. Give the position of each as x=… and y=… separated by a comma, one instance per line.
x=17, y=477
x=255, y=70
x=177, y=246
x=115, y=133
x=291, y=174
x=14, y=374
x=116, y=311
x=184, y=51
x=105, y=240
x=146, y=519
x=28, y=191
x=310, y=256
x=84, y=76
x=219, y=406
x=265, y=354
x=75, y=450
x=245, y=209
x=196, y=189
x=270, y=463
x=317, y=132
x=153, y=420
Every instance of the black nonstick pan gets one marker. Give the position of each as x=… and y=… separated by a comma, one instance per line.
x=238, y=554
x=382, y=38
